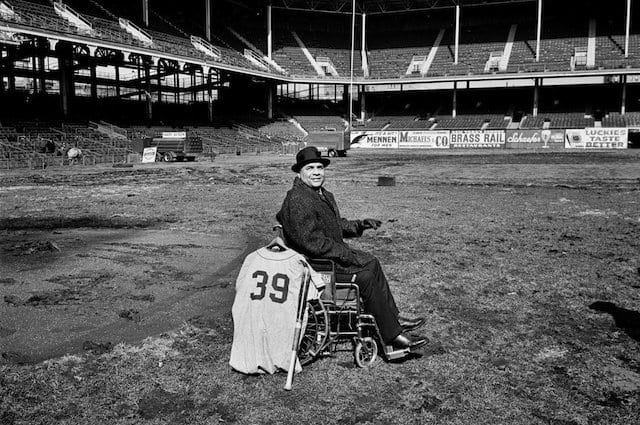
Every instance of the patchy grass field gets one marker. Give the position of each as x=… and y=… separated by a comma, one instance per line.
x=526, y=265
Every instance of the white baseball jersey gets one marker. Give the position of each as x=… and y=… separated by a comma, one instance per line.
x=265, y=308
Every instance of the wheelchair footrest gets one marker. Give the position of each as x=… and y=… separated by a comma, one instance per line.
x=394, y=354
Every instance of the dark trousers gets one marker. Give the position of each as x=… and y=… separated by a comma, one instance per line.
x=377, y=298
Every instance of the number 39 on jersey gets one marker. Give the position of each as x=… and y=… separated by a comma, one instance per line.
x=277, y=286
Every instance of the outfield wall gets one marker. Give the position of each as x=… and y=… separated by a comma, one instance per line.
x=552, y=139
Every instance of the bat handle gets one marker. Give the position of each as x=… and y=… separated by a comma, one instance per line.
x=294, y=356
x=302, y=303
x=292, y=367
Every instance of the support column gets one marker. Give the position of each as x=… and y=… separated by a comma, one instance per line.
x=34, y=68
x=536, y=96
x=627, y=30
x=363, y=47
x=362, y=98
x=2, y=69
x=270, y=99
x=139, y=80
x=117, y=82
x=623, y=106
x=454, y=102
x=207, y=19
x=457, y=41
x=176, y=80
x=193, y=85
x=160, y=71
x=11, y=76
x=147, y=91
x=93, y=80
x=539, y=31
x=145, y=12
x=9, y=69
x=269, y=33
x=209, y=97
x=41, y=73
x=67, y=89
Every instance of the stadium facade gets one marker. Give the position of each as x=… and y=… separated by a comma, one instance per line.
x=412, y=65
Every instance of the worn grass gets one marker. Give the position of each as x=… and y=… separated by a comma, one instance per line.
x=504, y=254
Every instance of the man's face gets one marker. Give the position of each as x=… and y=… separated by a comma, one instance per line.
x=312, y=174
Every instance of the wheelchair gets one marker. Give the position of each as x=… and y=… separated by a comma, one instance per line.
x=337, y=318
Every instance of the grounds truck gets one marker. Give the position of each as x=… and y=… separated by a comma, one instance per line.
x=329, y=141
x=175, y=146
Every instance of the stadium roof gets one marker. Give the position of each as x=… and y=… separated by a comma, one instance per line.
x=380, y=6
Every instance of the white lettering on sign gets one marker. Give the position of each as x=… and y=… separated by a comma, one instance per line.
x=424, y=139
x=597, y=138
x=534, y=138
x=477, y=139
x=374, y=139
x=174, y=134
x=520, y=137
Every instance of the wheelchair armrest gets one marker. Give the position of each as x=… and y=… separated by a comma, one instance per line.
x=326, y=268
x=339, y=287
x=322, y=264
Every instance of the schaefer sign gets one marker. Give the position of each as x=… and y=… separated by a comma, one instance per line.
x=478, y=139
x=527, y=139
x=597, y=138
x=374, y=139
x=424, y=139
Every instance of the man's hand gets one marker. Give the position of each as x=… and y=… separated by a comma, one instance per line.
x=370, y=223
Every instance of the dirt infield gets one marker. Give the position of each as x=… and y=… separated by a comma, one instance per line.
x=526, y=265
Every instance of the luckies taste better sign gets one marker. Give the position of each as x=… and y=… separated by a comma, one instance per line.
x=597, y=138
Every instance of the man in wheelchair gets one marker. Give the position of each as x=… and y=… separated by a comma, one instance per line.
x=312, y=225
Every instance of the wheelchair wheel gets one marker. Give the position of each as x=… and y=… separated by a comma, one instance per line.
x=366, y=352
x=316, y=333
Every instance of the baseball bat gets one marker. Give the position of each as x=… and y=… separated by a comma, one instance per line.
x=302, y=306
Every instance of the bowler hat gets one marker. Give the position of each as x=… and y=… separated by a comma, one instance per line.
x=306, y=156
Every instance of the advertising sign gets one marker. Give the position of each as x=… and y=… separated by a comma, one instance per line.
x=174, y=134
x=424, y=139
x=530, y=139
x=374, y=139
x=478, y=139
x=149, y=154
x=597, y=138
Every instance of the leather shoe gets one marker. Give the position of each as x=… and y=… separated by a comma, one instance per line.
x=402, y=341
x=411, y=324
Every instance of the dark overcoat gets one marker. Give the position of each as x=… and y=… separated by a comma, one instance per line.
x=312, y=226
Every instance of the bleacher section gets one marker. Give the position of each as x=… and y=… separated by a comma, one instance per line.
x=34, y=144
x=497, y=122
x=389, y=52
x=630, y=119
x=43, y=16
x=320, y=122
x=290, y=56
x=557, y=120
x=23, y=143
x=236, y=139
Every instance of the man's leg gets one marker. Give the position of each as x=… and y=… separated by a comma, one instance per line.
x=378, y=300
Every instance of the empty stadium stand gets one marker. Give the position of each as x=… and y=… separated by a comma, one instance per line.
x=557, y=120
x=417, y=73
